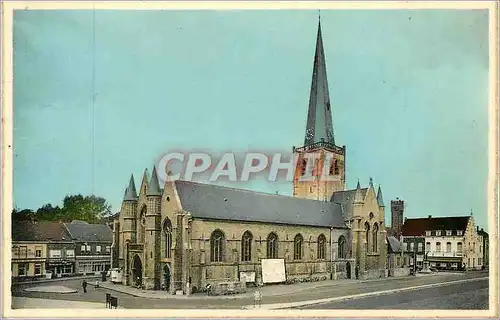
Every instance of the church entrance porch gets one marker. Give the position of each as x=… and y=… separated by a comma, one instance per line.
x=137, y=271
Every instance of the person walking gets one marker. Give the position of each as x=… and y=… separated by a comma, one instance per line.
x=84, y=286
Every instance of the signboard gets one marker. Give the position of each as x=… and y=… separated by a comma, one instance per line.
x=247, y=276
x=273, y=270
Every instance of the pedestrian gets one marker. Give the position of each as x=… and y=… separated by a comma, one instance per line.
x=84, y=286
x=97, y=284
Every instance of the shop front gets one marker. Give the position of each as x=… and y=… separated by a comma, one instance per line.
x=60, y=267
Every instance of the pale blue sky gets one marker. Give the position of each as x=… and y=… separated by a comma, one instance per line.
x=408, y=90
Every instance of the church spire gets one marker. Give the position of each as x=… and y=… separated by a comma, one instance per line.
x=319, y=117
x=154, y=185
x=380, y=199
x=130, y=192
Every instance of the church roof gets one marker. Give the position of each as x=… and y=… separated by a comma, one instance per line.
x=319, y=117
x=394, y=244
x=346, y=198
x=224, y=203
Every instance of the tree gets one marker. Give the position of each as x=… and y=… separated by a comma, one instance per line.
x=89, y=208
x=25, y=214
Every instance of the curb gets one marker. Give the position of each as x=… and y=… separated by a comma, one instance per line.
x=52, y=280
x=358, y=296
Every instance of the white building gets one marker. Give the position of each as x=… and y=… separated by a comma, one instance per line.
x=450, y=242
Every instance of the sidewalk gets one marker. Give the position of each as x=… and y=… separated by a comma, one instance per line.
x=35, y=303
x=267, y=290
x=43, y=280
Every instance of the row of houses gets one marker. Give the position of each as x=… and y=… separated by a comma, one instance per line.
x=446, y=243
x=57, y=249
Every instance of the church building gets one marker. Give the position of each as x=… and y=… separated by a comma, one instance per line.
x=167, y=237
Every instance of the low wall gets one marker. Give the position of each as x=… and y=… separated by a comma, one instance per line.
x=400, y=272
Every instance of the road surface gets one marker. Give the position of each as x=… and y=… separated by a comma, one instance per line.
x=469, y=295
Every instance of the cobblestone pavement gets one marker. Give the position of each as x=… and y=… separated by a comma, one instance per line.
x=470, y=296
x=332, y=289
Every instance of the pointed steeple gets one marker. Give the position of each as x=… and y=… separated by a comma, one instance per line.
x=380, y=199
x=130, y=192
x=319, y=117
x=154, y=185
x=358, y=196
x=371, y=182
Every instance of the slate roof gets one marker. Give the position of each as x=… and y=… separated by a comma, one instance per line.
x=417, y=227
x=130, y=192
x=224, y=203
x=154, y=186
x=83, y=231
x=394, y=244
x=346, y=198
x=319, y=117
x=39, y=231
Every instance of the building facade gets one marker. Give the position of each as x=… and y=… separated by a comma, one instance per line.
x=92, y=246
x=450, y=242
x=485, y=248
x=28, y=259
x=199, y=234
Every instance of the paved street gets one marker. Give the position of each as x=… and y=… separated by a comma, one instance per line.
x=279, y=294
x=470, y=295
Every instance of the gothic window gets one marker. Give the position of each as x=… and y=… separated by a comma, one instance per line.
x=341, y=248
x=298, y=243
x=167, y=230
x=367, y=235
x=142, y=226
x=272, y=246
x=321, y=246
x=216, y=246
x=375, y=238
x=246, y=246
x=334, y=168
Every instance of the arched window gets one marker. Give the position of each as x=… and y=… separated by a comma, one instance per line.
x=375, y=238
x=142, y=224
x=272, y=246
x=459, y=247
x=303, y=166
x=321, y=246
x=341, y=248
x=217, y=246
x=438, y=246
x=167, y=231
x=367, y=236
x=246, y=246
x=448, y=246
x=334, y=168
x=298, y=243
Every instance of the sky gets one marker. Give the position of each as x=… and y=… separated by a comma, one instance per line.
x=408, y=90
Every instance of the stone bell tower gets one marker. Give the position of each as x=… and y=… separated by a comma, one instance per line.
x=320, y=169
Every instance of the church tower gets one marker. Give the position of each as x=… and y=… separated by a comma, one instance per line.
x=320, y=168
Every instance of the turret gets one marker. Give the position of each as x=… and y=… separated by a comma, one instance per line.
x=153, y=233
x=128, y=219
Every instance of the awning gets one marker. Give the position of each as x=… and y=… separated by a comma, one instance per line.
x=444, y=259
